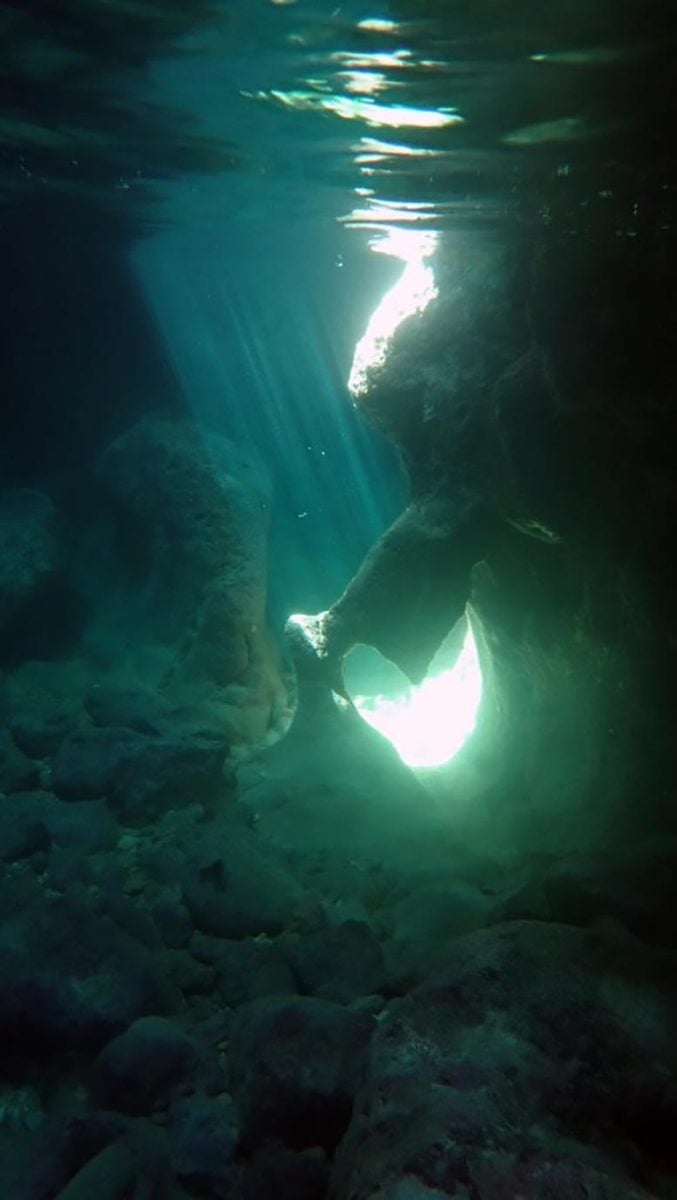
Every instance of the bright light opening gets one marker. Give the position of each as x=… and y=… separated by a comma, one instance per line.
x=430, y=723
x=411, y=294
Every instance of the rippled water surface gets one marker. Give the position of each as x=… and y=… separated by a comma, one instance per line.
x=431, y=113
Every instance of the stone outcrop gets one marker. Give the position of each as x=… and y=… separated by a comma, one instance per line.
x=200, y=507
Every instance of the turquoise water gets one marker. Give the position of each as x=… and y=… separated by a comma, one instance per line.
x=335, y=124
x=338, y=845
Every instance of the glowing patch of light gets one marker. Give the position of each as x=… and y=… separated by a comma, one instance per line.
x=385, y=58
x=393, y=116
x=366, y=83
x=410, y=295
x=354, y=108
x=375, y=218
x=373, y=157
x=430, y=723
x=411, y=245
x=377, y=25
x=368, y=62
x=374, y=146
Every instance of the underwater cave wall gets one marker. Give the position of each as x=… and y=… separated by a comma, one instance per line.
x=539, y=385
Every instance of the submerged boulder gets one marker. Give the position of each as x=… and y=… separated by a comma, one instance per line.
x=295, y=1065
x=41, y=703
x=17, y=772
x=135, y=773
x=204, y=1134
x=239, y=891
x=201, y=506
x=341, y=964
x=99, y=1154
x=245, y=969
x=70, y=977
x=186, y=515
x=32, y=821
x=144, y=1064
x=538, y=1063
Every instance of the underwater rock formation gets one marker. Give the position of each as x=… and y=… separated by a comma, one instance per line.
x=411, y=589
x=138, y=775
x=151, y=1059
x=431, y=392
x=305, y=974
x=178, y=646
x=29, y=548
x=307, y=1107
x=201, y=506
x=238, y=966
x=205, y=1134
x=486, y=1080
